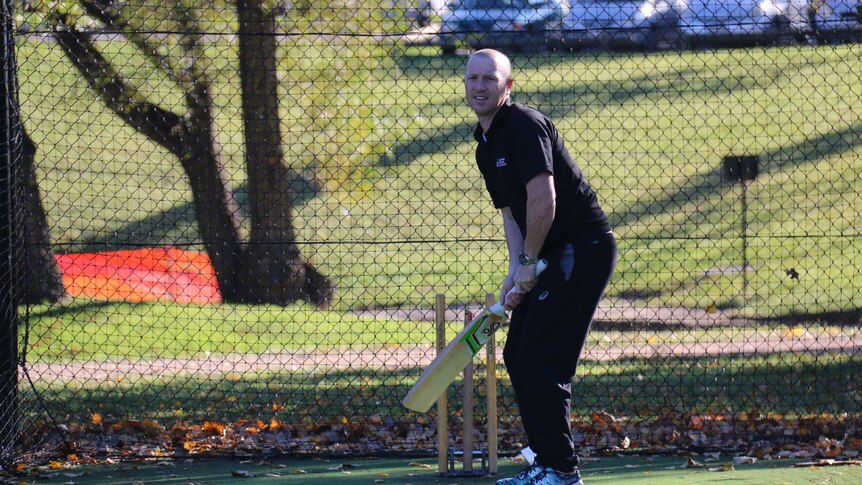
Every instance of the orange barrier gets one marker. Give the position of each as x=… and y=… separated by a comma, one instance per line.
x=150, y=274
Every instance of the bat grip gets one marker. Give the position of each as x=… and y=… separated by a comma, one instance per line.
x=499, y=307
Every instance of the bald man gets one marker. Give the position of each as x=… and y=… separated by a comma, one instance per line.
x=549, y=211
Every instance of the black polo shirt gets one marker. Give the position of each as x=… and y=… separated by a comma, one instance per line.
x=522, y=143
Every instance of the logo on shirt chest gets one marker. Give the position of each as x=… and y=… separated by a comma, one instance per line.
x=501, y=162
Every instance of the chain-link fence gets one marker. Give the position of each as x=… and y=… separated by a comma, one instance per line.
x=237, y=217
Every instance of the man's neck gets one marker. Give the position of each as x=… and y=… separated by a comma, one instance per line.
x=486, y=121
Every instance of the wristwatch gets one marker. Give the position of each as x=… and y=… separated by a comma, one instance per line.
x=526, y=260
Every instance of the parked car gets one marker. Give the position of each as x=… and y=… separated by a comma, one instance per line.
x=622, y=23
x=516, y=24
x=742, y=22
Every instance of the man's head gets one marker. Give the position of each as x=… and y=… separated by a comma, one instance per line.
x=487, y=83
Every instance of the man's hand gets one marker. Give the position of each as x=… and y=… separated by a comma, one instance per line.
x=504, y=290
x=524, y=280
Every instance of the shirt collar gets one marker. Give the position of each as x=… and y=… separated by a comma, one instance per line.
x=499, y=116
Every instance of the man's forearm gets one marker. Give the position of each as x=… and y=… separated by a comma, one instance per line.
x=541, y=207
x=514, y=239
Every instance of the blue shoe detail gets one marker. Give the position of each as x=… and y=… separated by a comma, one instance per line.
x=549, y=476
x=522, y=478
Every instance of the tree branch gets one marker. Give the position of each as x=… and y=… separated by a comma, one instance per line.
x=162, y=126
x=105, y=11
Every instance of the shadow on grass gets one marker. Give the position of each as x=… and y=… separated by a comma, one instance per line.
x=178, y=226
x=77, y=307
x=809, y=151
x=788, y=384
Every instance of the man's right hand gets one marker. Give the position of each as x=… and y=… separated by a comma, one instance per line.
x=508, y=284
x=510, y=301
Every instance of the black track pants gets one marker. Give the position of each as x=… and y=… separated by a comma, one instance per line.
x=545, y=340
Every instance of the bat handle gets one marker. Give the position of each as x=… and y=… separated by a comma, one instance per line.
x=500, y=307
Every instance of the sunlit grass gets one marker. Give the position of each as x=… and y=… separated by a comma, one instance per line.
x=649, y=131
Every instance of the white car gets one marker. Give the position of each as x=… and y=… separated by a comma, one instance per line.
x=518, y=24
x=622, y=23
x=742, y=22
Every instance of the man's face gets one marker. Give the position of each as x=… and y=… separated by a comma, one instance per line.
x=487, y=85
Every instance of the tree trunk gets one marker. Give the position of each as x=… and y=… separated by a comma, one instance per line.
x=271, y=269
x=192, y=141
x=42, y=277
x=274, y=271
x=215, y=206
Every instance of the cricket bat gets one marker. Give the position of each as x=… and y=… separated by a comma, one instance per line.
x=460, y=351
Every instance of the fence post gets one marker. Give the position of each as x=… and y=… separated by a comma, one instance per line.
x=742, y=168
x=10, y=142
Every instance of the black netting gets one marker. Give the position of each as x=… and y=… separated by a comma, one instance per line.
x=237, y=217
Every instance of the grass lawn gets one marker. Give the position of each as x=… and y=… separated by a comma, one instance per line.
x=784, y=384
x=389, y=205
x=632, y=469
x=84, y=330
x=133, y=337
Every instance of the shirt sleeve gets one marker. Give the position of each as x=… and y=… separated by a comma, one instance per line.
x=532, y=144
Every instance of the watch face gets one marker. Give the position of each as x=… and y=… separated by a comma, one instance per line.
x=524, y=259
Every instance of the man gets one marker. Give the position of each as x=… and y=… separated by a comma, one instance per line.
x=549, y=211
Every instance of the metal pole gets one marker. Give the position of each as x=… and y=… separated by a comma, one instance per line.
x=744, y=200
x=9, y=148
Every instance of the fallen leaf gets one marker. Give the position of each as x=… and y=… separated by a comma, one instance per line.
x=747, y=460
x=829, y=462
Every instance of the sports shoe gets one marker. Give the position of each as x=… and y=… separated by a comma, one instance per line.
x=522, y=478
x=549, y=476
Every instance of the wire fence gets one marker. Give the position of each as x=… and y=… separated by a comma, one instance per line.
x=226, y=223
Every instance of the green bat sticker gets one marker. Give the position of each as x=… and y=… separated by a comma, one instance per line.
x=481, y=329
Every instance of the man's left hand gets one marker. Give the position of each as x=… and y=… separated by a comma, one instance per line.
x=525, y=280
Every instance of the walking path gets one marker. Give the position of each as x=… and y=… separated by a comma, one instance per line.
x=396, y=358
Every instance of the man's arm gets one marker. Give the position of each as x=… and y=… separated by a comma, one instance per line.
x=515, y=244
x=541, y=207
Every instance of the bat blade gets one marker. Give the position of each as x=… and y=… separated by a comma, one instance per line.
x=452, y=360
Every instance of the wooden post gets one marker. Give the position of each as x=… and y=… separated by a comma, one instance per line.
x=491, y=382
x=467, y=414
x=442, y=401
